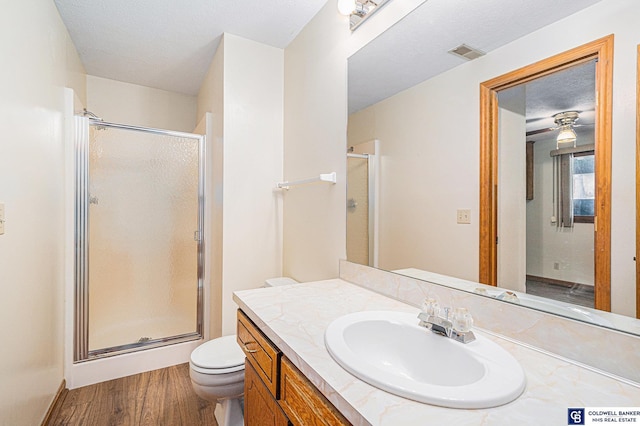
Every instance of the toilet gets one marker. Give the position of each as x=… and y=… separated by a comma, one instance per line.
x=216, y=369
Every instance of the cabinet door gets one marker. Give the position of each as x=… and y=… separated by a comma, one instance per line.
x=260, y=408
x=302, y=402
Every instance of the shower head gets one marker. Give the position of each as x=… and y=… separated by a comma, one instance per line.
x=88, y=113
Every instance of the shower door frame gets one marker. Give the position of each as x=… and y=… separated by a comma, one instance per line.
x=373, y=194
x=81, y=352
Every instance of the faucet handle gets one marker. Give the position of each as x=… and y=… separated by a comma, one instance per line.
x=431, y=307
x=462, y=323
x=462, y=320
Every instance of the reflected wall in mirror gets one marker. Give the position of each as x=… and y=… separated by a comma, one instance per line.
x=428, y=128
x=536, y=246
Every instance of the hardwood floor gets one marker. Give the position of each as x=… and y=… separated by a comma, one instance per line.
x=579, y=294
x=159, y=397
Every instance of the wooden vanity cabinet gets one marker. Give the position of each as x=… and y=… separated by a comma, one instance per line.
x=260, y=407
x=275, y=391
x=260, y=352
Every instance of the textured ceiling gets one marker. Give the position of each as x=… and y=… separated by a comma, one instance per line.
x=169, y=44
x=416, y=48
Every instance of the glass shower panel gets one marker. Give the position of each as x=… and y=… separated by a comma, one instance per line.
x=143, y=254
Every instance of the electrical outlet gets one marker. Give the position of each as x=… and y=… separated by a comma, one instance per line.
x=1, y=219
x=464, y=216
x=556, y=266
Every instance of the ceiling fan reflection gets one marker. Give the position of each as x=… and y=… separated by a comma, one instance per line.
x=565, y=121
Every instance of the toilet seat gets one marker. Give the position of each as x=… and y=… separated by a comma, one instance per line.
x=218, y=356
x=216, y=371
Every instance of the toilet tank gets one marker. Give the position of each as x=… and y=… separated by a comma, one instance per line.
x=278, y=281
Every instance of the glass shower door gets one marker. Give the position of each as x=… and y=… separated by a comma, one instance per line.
x=143, y=238
x=358, y=210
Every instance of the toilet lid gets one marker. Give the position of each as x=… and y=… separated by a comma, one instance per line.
x=219, y=353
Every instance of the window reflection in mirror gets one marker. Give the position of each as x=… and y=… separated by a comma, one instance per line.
x=583, y=172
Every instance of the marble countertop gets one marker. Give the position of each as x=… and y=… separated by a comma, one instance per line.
x=295, y=317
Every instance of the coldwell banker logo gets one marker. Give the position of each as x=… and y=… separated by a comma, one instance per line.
x=575, y=416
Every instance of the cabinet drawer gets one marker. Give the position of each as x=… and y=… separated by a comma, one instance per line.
x=302, y=402
x=260, y=352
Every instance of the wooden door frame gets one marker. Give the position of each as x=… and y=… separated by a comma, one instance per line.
x=602, y=50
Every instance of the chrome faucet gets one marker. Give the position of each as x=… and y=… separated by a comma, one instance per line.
x=436, y=324
x=459, y=328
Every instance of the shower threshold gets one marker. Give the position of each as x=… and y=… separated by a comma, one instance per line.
x=140, y=345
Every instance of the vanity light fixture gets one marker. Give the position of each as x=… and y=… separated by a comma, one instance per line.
x=566, y=121
x=359, y=10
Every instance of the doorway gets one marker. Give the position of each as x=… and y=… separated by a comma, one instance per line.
x=600, y=51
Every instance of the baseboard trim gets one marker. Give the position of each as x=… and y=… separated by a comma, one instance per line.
x=56, y=404
x=568, y=284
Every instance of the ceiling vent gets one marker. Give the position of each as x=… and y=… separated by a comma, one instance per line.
x=466, y=52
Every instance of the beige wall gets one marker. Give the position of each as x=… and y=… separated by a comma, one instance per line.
x=315, y=128
x=76, y=74
x=315, y=117
x=211, y=100
x=249, y=142
x=512, y=213
x=35, y=51
x=453, y=97
x=126, y=103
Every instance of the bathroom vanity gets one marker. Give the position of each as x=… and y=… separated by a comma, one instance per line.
x=291, y=375
x=275, y=390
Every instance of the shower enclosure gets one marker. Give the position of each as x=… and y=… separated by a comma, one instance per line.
x=138, y=238
x=362, y=194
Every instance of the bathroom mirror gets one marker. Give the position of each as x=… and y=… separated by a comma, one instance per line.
x=421, y=105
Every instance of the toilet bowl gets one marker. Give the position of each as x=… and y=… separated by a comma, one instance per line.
x=216, y=369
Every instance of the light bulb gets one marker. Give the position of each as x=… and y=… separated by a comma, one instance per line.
x=566, y=136
x=346, y=7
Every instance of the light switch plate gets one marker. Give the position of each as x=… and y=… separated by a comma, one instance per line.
x=464, y=216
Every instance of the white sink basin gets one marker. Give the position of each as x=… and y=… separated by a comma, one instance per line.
x=390, y=351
